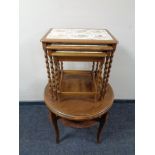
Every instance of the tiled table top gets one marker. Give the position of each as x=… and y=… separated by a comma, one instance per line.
x=81, y=34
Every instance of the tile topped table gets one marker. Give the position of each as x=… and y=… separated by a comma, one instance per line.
x=92, y=36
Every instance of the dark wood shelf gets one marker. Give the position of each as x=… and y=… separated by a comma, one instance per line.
x=78, y=124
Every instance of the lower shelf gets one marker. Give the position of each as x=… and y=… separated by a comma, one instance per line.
x=77, y=81
x=78, y=124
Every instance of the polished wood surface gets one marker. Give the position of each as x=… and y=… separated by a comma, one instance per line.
x=79, y=108
x=77, y=54
x=68, y=47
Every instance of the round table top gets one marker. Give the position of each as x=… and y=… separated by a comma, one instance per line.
x=74, y=108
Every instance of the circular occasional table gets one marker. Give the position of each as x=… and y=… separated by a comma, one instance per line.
x=79, y=112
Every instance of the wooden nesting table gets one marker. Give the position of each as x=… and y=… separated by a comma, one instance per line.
x=78, y=98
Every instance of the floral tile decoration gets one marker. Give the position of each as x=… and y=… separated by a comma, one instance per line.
x=88, y=34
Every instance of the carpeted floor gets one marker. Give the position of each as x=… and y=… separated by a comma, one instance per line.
x=37, y=136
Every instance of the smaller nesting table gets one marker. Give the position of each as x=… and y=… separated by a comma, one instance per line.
x=78, y=98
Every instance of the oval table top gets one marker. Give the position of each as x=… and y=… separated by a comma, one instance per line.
x=73, y=108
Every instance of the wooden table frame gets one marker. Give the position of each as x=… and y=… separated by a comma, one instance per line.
x=100, y=53
x=101, y=120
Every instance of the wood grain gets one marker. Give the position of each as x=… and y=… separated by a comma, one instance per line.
x=75, y=108
x=79, y=48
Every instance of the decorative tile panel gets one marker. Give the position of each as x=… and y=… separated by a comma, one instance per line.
x=79, y=34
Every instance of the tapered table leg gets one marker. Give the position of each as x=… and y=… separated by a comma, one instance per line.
x=102, y=121
x=54, y=119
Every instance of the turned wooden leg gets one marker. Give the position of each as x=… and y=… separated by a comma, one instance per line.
x=102, y=121
x=54, y=119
